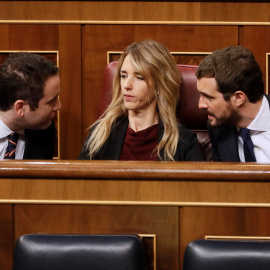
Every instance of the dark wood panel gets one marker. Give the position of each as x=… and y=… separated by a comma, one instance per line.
x=197, y=222
x=6, y=236
x=99, y=39
x=98, y=10
x=33, y=37
x=83, y=219
x=257, y=39
x=205, y=10
x=234, y=12
x=189, y=38
x=70, y=95
x=4, y=37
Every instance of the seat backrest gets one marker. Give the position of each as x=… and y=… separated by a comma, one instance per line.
x=187, y=110
x=227, y=255
x=84, y=252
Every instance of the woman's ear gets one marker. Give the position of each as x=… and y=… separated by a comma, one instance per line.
x=19, y=107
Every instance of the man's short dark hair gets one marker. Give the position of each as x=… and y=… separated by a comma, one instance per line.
x=234, y=68
x=22, y=76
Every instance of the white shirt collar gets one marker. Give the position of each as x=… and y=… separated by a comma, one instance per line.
x=4, y=130
x=262, y=120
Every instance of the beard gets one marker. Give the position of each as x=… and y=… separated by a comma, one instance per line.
x=229, y=118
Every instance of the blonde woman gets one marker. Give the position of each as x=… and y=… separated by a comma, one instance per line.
x=140, y=122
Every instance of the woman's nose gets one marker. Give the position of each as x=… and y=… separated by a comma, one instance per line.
x=128, y=83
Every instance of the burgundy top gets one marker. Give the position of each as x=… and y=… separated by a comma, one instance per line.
x=140, y=145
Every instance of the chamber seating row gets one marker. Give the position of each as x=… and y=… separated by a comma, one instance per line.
x=122, y=252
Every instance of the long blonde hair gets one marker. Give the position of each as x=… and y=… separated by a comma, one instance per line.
x=152, y=60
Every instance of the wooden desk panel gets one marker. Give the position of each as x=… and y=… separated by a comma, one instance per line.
x=106, y=219
x=6, y=236
x=176, y=201
x=198, y=222
x=135, y=183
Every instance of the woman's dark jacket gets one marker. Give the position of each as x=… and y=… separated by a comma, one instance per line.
x=188, y=148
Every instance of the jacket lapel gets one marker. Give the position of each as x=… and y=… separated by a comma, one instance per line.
x=113, y=148
x=228, y=144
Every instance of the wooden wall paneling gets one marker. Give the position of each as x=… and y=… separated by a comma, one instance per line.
x=6, y=236
x=135, y=10
x=98, y=39
x=70, y=58
x=138, y=10
x=235, y=12
x=257, y=39
x=98, y=10
x=196, y=222
x=189, y=38
x=86, y=219
x=33, y=37
x=4, y=37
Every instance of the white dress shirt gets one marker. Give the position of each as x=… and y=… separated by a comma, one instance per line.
x=260, y=135
x=4, y=132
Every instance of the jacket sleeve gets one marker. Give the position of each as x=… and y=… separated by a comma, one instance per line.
x=193, y=150
x=188, y=146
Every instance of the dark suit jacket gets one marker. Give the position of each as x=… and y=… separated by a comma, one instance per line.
x=39, y=144
x=188, y=147
x=224, y=141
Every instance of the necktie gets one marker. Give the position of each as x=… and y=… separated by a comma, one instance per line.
x=12, y=143
x=248, y=145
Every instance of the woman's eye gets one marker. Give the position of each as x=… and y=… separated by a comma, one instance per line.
x=123, y=76
x=140, y=78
